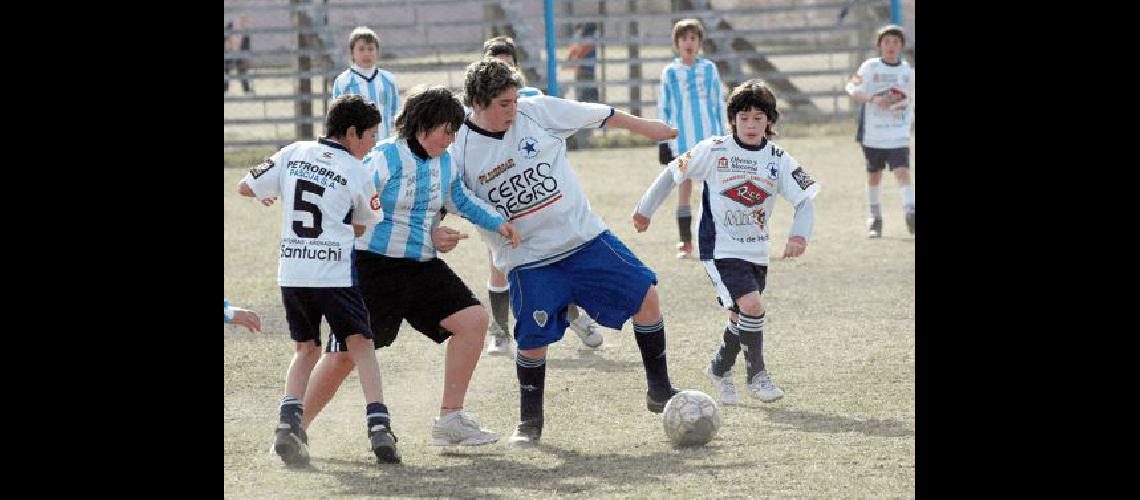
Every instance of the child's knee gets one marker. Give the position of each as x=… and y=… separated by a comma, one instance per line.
x=308, y=350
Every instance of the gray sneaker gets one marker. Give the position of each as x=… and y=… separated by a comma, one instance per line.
x=460, y=428
x=910, y=222
x=874, y=227
x=498, y=342
x=724, y=386
x=587, y=331
x=762, y=387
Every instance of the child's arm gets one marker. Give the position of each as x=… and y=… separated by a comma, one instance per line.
x=857, y=88
x=652, y=199
x=802, y=223
x=653, y=129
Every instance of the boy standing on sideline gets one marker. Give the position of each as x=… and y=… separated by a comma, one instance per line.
x=884, y=86
x=365, y=79
x=327, y=199
x=741, y=173
x=689, y=99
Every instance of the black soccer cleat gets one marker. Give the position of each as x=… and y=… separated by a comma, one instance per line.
x=528, y=432
x=874, y=227
x=658, y=405
x=384, y=444
x=910, y=222
x=292, y=445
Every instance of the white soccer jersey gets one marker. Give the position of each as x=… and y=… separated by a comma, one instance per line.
x=411, y=192
x=323, y=189
x=739, y=184
x=690, y=99
x=377, y=86
x=525, y=174
x=878, y=127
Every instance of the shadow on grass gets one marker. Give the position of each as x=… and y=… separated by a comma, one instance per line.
x=502, y=467
x=810, y=421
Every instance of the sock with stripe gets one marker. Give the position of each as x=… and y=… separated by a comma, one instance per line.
x=532, y=382
x=685, y=223
x=291, y=410
x=651, y=342
x=752, y=343
x=500, y=299
x=729, y=348
x=377, y=414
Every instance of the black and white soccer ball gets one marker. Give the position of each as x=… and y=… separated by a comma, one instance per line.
x=692, y=418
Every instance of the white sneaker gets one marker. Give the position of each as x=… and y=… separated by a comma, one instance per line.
x=460, y=428
x=499, y=344
x=763, y=388
x=725, y=385
x=587, y=330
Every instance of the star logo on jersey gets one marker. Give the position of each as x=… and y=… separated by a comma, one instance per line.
x=540, y=317
x=375, y=202
x=327, y=154
x=528, y=147
x=772, y=171
x=746, y=193
x=722, y=163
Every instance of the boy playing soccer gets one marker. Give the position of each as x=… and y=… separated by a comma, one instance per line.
x=690, y=100
x=884, y=86
x=365, y=79
x=512, y=153
x=741, y=173
x=327, y=199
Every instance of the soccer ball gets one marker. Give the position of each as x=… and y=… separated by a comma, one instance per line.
x=692, y=418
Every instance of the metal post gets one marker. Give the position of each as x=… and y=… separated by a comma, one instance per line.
x=303, y=108
x=896, y=14
x=634, y=68
x=551, y=52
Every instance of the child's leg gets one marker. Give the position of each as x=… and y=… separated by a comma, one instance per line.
x=327, y=377
x=906, y=190
x=685, y=217
x=379, y=421
x=530, y=367
x=498, y=293
x=305, y=357
x=729, y=348
x=751, y=327
x=874, y=193
x=649, y=330
x=469, y=330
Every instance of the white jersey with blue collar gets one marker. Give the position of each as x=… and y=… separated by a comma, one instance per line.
x=376, y=85
x=525, y=174
x=412, y=190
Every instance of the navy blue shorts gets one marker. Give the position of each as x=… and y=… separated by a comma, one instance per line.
x=602, y=276
x=735, y=278
x=342, y=307
x=877, y=158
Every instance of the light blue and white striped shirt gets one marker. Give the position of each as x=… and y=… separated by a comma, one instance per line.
x=377, y=86
x=691, y=99
x=411, y=192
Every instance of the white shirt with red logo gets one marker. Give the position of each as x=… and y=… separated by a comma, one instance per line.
x=323, y=190
x=878, y=127
x=525, y=174
x=739, y=190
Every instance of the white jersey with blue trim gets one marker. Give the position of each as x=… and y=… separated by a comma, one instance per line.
x=737, y=200
x=323, y=191
x=884, y=128
x=376, y=85
x=411, y=191
x=691, y=99
x=525, y=174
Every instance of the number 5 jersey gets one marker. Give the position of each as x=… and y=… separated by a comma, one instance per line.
x=323, y=190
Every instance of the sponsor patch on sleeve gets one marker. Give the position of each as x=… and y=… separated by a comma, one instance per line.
x=375, y=202
x=803, y=180
x=260, y=170
x=683, y=161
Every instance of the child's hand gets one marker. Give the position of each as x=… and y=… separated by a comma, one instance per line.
x=246, y=318
x=509, y=232
x=659, y=131
x=445, y=239
x=640, y=222
x=795, y=247
x=268, y=201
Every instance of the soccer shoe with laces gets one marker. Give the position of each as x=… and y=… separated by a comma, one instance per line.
x=684, y=250
x=383, y=444
x=874, y=227
x=763, y=388
x=528, y=432
x=587, y=331
x=292, y=444
x=656, y=405
x=498, y=343
x=910, y=222
x=725, y=386
x=460, y=428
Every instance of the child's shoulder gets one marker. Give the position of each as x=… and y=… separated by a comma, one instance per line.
x=387, y=75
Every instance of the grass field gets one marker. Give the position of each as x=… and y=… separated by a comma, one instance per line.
x=839, y=340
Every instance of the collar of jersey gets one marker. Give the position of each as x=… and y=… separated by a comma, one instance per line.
x=332, y=144
x=480, y=131
x=418, y=149
x=763, y=142
x=375, y=71
x=889, y=64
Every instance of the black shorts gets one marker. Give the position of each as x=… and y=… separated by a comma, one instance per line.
x=342, y=307
x=423, y=293
x=879, y=158
x=735, y=278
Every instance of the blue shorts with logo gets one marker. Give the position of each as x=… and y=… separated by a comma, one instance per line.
x=602, y=276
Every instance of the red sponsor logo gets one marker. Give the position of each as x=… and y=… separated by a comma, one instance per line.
x=375, y=202
x=746, y=193
x=722, y=163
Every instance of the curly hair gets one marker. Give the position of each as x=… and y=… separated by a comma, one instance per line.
x=487, y=79
x=351, y=110
x=499, y=45
x=428, y=108
x=753, y=94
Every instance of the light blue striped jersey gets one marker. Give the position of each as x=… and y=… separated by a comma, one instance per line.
x=377, y=86
x=529, y=92
x=691, y=99
x=411, y=192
